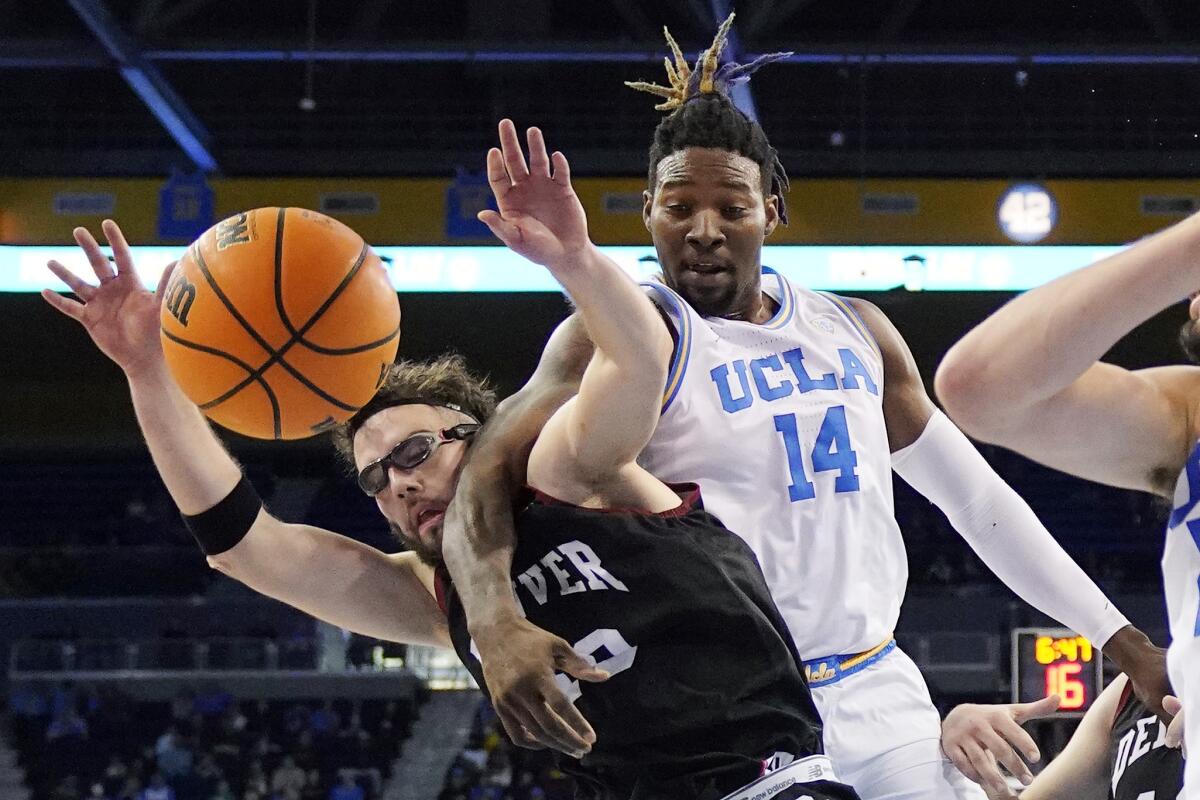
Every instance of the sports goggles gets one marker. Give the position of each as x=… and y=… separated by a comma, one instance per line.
x=410, y=454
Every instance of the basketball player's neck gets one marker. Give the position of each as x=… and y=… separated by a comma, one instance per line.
x=759, y=310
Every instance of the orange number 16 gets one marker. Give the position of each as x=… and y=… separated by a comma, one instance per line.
x=1061, y=680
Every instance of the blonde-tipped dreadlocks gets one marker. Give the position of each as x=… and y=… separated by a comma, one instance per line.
x=703, y=115
x=705, y=78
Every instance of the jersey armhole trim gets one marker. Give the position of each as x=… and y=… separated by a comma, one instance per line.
x=683, y=344
x=787, y=302
x=1122, y=702
x=856, y=321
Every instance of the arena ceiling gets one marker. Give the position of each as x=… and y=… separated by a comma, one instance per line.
x=391, y=87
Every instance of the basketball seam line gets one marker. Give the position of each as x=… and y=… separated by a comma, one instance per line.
x=222, y=354
x=277, y=356
x=297, y=336
x=274, y=355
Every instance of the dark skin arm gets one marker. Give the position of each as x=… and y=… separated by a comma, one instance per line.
x=519, y=659
x=907, y=409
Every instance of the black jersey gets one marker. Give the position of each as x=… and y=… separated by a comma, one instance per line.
x=1143, y=767
x=705, y=688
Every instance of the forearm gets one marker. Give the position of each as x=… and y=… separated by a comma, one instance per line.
x=336, y=579
x=193, y=464
x=1067, y=325
x=620, y=320
x=478, y=539
x=1001, y=528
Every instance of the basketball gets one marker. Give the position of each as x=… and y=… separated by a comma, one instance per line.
x=280, y=323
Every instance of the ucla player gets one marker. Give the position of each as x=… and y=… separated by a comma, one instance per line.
x=791, y=409
x=1029, y=378
x=703, y=694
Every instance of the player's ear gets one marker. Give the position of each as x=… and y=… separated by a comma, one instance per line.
x=772, y=210
x=647, y=205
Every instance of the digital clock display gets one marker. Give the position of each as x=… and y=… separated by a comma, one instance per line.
x=1048, y=661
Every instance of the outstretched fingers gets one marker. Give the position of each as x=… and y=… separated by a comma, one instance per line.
x=95, y=256
x=497, y=174
x=562, y=170
x=72, y=308
x=539, y=162
x=510, y=146
x=76, y=284
x=122, y=255
x=504, y=230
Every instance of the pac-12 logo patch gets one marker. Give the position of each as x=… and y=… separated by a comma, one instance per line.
x=823, y=323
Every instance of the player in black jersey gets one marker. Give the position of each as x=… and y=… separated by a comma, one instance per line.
x=698, y=692
x=1120, y=750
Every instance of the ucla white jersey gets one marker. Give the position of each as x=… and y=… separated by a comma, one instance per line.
x=782, y=426
x=1181, y=573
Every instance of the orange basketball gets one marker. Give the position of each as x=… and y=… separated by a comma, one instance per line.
x=279, y=323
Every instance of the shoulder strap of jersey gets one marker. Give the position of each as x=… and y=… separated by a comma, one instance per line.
x=684, y=320
x=1127, y=697
x=856, y=321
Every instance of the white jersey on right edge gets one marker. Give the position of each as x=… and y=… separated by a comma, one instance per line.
x=781, y=425
x=1181, y=582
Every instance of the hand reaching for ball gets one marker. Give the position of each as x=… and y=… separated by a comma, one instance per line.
x=118, y=313
x=540, y=215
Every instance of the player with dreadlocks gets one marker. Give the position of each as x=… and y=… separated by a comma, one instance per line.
x=791, y=409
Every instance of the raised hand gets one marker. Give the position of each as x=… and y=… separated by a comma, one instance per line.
x=975, y=737
x=540, y=215
x=119, y=314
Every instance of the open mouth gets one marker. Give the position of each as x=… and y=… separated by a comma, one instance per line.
x=427, y=515
x=706, y=267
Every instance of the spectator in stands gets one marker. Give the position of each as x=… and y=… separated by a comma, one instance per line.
x=207, y=776
x=346, y=789
x=296, y=719
x=223, y=791
x=288, y=780
x=67, y=789
x=523, y=788
x=115, y=774
x=458, y=785
x=67, y=725
x=264, y=748
x=131, y=789
x=98, y=792
x=172, y=754
x=325, y=721
x=158, y=789
x=256, y=779
x=474, y=753
x=313, y=790
x=498, y=771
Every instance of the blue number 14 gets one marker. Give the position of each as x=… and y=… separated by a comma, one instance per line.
x=831, y=451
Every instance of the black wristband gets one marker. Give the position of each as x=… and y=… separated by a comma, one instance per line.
x=224, y=525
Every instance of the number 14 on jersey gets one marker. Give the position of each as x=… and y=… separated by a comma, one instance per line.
x=831, y=451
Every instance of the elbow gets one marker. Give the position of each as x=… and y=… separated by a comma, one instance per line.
x=223, y=563
x=961, y=386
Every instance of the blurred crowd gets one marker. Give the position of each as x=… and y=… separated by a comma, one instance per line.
x=79, y=742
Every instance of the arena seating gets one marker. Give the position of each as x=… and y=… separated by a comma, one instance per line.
x=205, y=744
x=491, y=768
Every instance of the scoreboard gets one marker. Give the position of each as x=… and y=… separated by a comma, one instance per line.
x=1048, y=661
